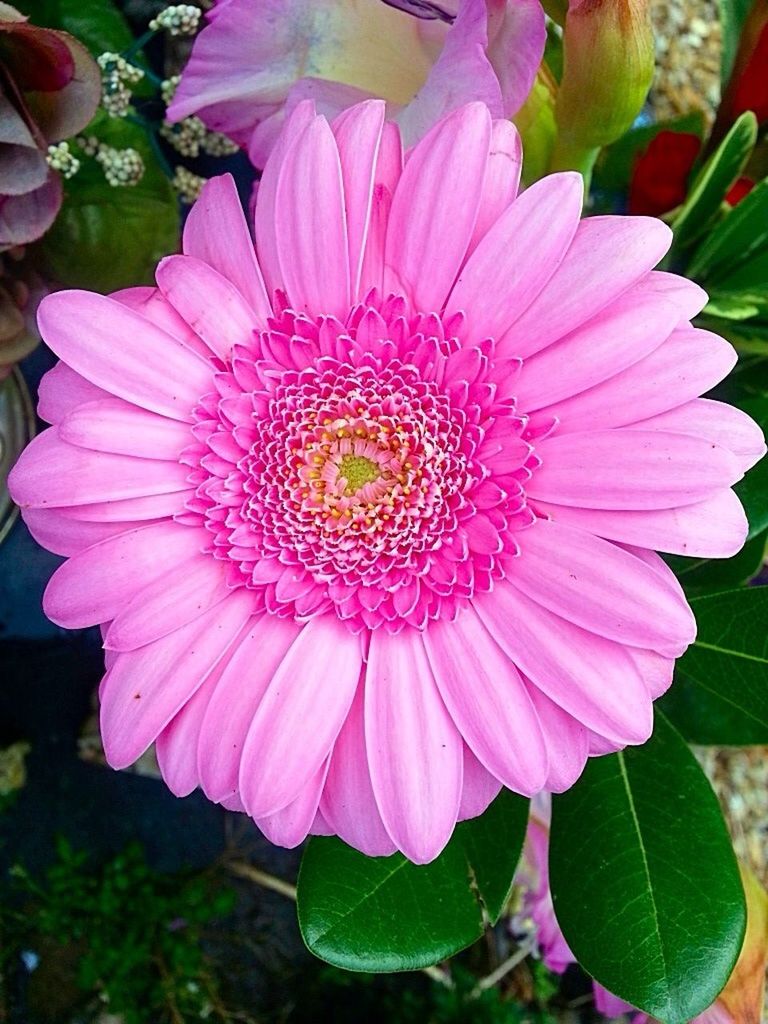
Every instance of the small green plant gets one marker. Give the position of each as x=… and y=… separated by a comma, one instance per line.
x=139, y=933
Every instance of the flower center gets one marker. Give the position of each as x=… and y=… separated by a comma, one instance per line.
x=358, y=471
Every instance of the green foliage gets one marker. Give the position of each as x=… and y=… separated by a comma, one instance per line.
x=139, y=933
x=712, y=184
x=386, y=914
x=107, y=238
x=644, y=880
x=97, y=23
x=409, y=999
x=733, y=14
x=720, y=695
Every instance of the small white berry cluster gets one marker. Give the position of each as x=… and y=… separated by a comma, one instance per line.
x=178, y=20
x=187, y=185
x=168, y=88
x=185, y=136
x=216, y=144
x=121, y=166
x=190, y=136
x=117, y=76
x=61, y=158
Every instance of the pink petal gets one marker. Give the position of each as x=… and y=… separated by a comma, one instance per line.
x=290, y=826
x=479, y=788
x=152, y=304
x=169, y=602
x=94, y=585
x=610, y=1005
x=265, y=214
x=656, y=669
x=414, y=750
x=297, y=722
x=124, y=353
x=517, y=35
x=312, y=245
x=714, y=528
x=144, y=689
x=579, y=288
x=208, y=302
x=65, y=536
x=689, y=297
x=52, y=473
x=176, y=745
x=566, y=739
x=431, y=226
x=488, y=701
x=519, y=254
x=61, y=390
x=241, y=688
x=112, y=425
x=348, y=803
x=502, y=178
x=462, y=73
x=724, y=424
x=590, y=470
x=216, y=232
x=593, y=679
x=617, y=338
x=689, y=363
x=602, y=588
x=389, y=167
x=150, y=506
x=358, y=136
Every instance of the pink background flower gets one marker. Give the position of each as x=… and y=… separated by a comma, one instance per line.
x=257, y=59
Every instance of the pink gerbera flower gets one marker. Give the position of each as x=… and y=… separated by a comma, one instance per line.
x=365, y=514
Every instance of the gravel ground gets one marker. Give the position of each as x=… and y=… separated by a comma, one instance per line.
x=688, y=40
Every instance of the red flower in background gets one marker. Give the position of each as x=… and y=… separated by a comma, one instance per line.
x=661, y=173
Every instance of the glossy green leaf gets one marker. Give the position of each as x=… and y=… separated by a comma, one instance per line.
x=742, y=233
x=753, y=489
x=720, y=693
x=713, y=182
x=386, y=914
x=107, y=238
x=644, y=880
x=97, y=23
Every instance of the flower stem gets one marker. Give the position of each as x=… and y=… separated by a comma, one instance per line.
x=569, y=156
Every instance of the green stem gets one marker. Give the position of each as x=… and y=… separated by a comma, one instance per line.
x=138, y=44
x=568, y=155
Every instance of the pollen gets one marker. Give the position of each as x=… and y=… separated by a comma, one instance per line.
x=358, y=471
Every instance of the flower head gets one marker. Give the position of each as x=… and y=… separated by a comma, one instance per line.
x=51, y=91
x=364, y=515
x=255, y=61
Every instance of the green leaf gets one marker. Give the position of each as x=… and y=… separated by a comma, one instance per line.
x=753, y=489
x=735, y=305
x=720, y=694
x=107, y=238
x=733, y=14
x=386, y=914
x=713, y=182
x=740, y=234
x=97, y=23
x=707, y=574
x=644, y=880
